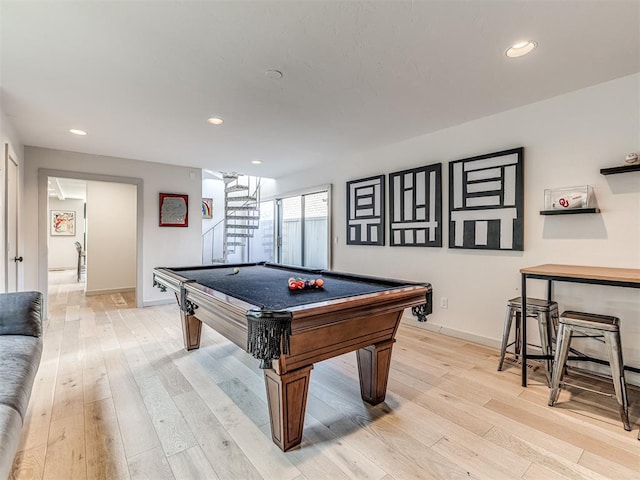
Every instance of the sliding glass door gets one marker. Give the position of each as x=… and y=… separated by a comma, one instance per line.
x=294, y=230
x=315, y=230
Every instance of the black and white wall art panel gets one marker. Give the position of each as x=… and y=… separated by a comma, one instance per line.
x=365, y=211
x=486, y=201
x=415, y=207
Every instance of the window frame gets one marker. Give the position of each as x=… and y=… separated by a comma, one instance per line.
x=277, y=199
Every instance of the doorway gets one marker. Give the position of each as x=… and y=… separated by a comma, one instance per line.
x=111, y=234
x=67, y=227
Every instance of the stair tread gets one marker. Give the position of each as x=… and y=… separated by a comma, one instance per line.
x=243, y=198
x=252, y=208
x=236, y=188
x=251, y=227
x=244, y=217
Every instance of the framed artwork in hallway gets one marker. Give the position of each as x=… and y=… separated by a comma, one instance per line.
x=63, y=222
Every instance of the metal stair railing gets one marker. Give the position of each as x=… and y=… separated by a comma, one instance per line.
x=241, y=217
x=209, y=255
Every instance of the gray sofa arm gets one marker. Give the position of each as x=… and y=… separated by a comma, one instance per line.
x=21, y=314
x=20, y=351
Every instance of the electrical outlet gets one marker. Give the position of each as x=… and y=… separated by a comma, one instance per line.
x=444, y=302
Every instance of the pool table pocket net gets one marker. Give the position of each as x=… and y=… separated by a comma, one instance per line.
x=267, y=332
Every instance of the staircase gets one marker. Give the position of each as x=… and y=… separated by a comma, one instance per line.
x=242, y=214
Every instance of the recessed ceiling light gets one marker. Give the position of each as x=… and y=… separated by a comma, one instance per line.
x=521, y=48
x=215, y=121
x=75, y=131
x=256, y=162
x=273, y=74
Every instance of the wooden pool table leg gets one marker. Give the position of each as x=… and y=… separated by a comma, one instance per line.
x=373, y=366
x=191, y=329
x=287, y=398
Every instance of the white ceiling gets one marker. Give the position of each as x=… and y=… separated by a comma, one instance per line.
x=67, y=188
x=143, y=77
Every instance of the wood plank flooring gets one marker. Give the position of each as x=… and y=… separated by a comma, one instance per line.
x=117, y=397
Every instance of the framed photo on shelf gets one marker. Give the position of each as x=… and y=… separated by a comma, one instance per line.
x=174, y=210
x=63, y=222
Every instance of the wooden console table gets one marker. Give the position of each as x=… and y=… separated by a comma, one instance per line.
x=615, y=277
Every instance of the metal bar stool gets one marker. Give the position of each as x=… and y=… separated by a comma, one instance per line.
x=546, y=312
x=81, y=256
x=592, y=326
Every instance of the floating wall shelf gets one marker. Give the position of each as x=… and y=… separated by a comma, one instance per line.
x=622, y=169
x=570, y=211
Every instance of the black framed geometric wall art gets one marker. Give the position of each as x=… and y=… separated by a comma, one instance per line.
x=486, y=201
x=415, y=207
x=365, y=211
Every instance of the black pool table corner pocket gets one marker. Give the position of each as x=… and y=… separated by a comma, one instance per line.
x=268, y=335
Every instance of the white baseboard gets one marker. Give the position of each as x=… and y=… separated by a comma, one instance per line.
x=486, y=341
x=108, y=291
x=154, y=303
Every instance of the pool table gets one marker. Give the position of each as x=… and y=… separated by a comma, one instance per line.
x=251, y=305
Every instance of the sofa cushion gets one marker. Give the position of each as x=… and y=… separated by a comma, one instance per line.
x=20, y=313
x=19, y=361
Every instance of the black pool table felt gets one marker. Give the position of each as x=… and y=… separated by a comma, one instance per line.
x=268, y=288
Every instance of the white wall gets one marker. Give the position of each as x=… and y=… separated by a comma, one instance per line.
x=111, y=237
x=213, y=188
x=567, y=140
x=62, y=250
x=157, y=246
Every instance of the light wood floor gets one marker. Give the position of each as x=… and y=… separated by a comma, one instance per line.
x=118, y=397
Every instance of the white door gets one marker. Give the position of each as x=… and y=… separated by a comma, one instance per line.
x=11, y=219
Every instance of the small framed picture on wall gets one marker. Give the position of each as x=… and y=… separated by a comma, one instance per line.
x=63, y=222
x=174, y=210
x=207, y=208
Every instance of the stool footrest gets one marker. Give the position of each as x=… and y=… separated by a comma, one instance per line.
x=517, y=360
x=587, y=389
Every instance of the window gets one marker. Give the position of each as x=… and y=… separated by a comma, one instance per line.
x=294, y=230
x=315, y=230
x=290, y=251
